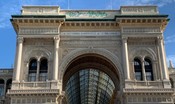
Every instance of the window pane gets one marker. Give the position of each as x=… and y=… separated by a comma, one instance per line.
x=42, y=76
x=138, y=76
x=149, y=76
x=32, y=76
x=148, y=69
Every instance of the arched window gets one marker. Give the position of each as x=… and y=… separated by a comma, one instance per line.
x=138, y=69
x=43, y=69
x=148, y=69
x=32, y=70
x=172, y=83
x=8, y=84
x=1, y=87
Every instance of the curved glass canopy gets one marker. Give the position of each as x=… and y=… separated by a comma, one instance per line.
x=89, y=86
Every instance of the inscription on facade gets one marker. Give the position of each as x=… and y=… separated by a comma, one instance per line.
x=86, y=14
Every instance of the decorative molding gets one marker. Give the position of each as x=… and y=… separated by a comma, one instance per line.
x=20, y=39
x=141, y=30
x=92, y=43
x=87, y=14
x=148, y=90
x=37, y=52
x=90, y=33
x=40, y=10
x=38, y=30
x=142, y=52
x=139, y=10
x=38, y=42
x=78, y=52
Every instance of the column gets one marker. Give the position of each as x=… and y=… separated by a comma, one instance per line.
x=56, y=58
x=163, y=58
x=143, y=70
x=18, y=58
x=125, y=58
x=37, y=71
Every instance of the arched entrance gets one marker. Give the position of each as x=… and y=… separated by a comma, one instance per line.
x=91, y=79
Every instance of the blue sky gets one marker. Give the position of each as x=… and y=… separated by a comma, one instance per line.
x=10, y=7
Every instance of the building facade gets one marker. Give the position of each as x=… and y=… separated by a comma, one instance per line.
x=90, y=56
x=5, y=85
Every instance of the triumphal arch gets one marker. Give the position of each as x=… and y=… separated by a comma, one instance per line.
x=90, y=56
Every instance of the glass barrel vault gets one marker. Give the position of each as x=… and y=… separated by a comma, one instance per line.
x=89, y=86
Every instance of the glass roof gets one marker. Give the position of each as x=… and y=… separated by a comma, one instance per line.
x=89, y=86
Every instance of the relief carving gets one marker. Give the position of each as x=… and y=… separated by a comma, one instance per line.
x=142, y=52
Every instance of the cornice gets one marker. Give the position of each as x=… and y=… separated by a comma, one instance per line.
x=149, y=90
x=33, y=92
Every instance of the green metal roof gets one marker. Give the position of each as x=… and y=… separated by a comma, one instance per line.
x=89, y=19
x=38, y=16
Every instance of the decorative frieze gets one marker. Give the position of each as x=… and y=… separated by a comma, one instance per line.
x=148, y=90
x=141, y=30
x=90, y=33
x=34, y=85
x=38, y=30
x=34, y=100
x=86, y=14
x=149, y=99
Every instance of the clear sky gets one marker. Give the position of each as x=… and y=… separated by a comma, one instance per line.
x=10, y=7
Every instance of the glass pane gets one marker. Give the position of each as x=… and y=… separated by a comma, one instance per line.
x=138, y=76
x=32, y=77
x=89, y=86
x=149, y=76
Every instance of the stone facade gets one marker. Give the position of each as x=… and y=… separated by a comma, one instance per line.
x=126, y=44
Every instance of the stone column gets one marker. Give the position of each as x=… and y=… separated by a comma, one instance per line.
x=163, y=58
x=56, y=58
x=125, y=58
x=37, y=71
x=143, y=70
x=18, y=58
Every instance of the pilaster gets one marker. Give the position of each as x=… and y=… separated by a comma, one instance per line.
x=18, y=58
x=125, y=58
x=163, y=58
x=56, y=58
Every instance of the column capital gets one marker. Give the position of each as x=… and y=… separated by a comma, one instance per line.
x=56, y=38
x=124, y=38
x=159, y=37
x=20, y=39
